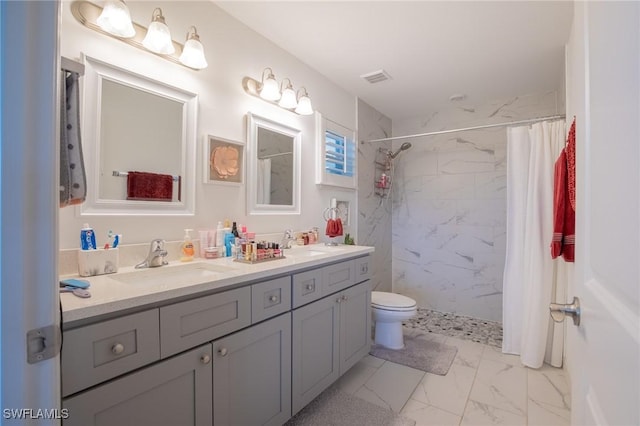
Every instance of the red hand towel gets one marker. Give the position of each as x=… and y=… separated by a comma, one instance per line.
x=149, y=186
x=339, y=229
x=330, y=228
x=564, y=217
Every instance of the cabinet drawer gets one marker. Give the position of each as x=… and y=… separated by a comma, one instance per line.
x=337, y=277
x=307, y=287
x=187, y=324
x=363, y=268
x=270, y=298
x=98, y=352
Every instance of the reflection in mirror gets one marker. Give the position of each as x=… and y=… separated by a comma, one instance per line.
x=134, y=124
x=273, y=156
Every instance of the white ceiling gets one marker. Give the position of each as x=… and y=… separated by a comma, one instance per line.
x=487, y=50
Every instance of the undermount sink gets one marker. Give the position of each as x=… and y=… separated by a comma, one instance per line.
x=315, y=251
x=173, y=274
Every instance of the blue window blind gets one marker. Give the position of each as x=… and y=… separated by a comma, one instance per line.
x=339, y=155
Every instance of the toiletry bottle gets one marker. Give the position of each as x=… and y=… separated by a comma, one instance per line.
x=187, y=247
x=228, y=241
x=87, y=238
x=219, y=235
x=234, y=230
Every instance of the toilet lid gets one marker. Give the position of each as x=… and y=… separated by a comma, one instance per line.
x=391, y=301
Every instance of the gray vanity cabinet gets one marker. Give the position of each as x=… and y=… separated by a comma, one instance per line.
x=329, y=336
x=252, y=375
x=176, y=391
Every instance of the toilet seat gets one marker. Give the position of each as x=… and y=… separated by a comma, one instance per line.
x=392, y=302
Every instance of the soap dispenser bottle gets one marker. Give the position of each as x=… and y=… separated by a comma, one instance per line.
x=187, y=247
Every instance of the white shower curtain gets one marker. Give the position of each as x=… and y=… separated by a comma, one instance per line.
x=264, y=181
x=532, y=279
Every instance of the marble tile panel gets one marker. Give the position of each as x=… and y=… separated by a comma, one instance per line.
x=501, y=385
x=390, y=386
x=540, y=415
x=500, y=239
x=428, y=212
x=469, y=353
x=481, y=414
x=491, y=185
x=448, y=187
x=418, y=162
x=448, y=392
x=427, y=415
x=494, y=353
x=482, y=213
x=470, y=161
x=501, y=156
x=464, y=240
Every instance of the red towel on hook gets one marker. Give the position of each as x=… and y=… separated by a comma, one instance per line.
x=564, y=214
x=149, y=186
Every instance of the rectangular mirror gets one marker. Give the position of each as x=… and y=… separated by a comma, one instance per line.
x=139, y=144
x=273, y=167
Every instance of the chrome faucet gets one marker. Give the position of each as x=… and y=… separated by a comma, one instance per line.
x=287, y=239
x=156, y=255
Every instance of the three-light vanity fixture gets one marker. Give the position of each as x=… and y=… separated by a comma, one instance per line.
x=115, y=20
x=281, y=94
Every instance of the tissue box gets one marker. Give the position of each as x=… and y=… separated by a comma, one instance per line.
x=97, y=262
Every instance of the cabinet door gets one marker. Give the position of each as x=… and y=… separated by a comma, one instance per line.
x=315, y=362
x=252, y=375
x=176, y=391
x=355, y=324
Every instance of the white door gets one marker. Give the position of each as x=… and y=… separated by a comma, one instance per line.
x=28, y=208
x=604, y=94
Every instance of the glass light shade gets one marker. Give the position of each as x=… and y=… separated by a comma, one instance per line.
x=288, y=99
x=193, y=54
x=270, y=90
x=115, y=19
x=304, y=105
x=158, y=38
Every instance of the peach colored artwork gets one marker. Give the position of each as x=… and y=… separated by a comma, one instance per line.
x=225, y=161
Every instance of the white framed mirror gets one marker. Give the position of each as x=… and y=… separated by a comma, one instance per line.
x=273, y=167
x=139, y=143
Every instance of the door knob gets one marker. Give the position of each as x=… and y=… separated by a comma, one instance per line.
x=559, y=311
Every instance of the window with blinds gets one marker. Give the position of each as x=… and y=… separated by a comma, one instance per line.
x=336, y=154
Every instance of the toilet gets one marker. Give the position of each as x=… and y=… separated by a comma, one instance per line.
x=389, y=310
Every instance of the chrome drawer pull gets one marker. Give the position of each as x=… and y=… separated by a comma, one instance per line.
x=309, y=287
x=344, y=298
x=117, y=349
x=222, y=351
x=273, y=299
x=205, y=359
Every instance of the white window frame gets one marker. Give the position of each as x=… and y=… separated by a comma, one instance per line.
x=323, y=125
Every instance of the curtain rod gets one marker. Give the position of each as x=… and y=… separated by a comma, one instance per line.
x=486, y=126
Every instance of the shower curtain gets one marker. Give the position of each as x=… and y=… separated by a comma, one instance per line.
x=532, y=279
x=264, y=181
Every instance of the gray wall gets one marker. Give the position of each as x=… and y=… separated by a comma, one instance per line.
x=374, y=214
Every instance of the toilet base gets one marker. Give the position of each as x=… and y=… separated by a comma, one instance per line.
x=389, y=334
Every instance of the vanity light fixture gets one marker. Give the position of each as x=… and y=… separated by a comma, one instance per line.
x=288, y=99
x=193, y=52
x=116, y=19
x=304, y=103
x=157, y=39
x=268, y=89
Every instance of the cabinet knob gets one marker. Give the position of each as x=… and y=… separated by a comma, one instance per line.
x=309, y=287
x=344, y=297
x=339, y=300
x=273, y=299
x=205, y=359
x=223, y=351
x=117, y=349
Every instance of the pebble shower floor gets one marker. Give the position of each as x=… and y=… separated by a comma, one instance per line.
x=460, y=326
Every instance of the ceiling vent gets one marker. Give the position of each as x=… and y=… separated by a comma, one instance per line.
x=376, y=76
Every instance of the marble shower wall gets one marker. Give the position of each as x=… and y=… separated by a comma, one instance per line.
x=374, y=213
x=449, y=206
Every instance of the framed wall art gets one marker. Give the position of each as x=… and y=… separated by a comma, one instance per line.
x=223, y=161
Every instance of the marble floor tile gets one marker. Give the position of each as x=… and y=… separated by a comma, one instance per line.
x=448, y=392
x=495, y=354
x=501, y=386
x=390, y=386
x=469, y=353
x=356, y=377
x=372, y=361
x=480, y=414
x=548, y=391
x=428, y=415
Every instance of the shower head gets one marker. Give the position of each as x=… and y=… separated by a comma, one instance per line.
x=403, y=147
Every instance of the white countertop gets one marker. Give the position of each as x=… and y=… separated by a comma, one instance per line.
x=120, y=291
